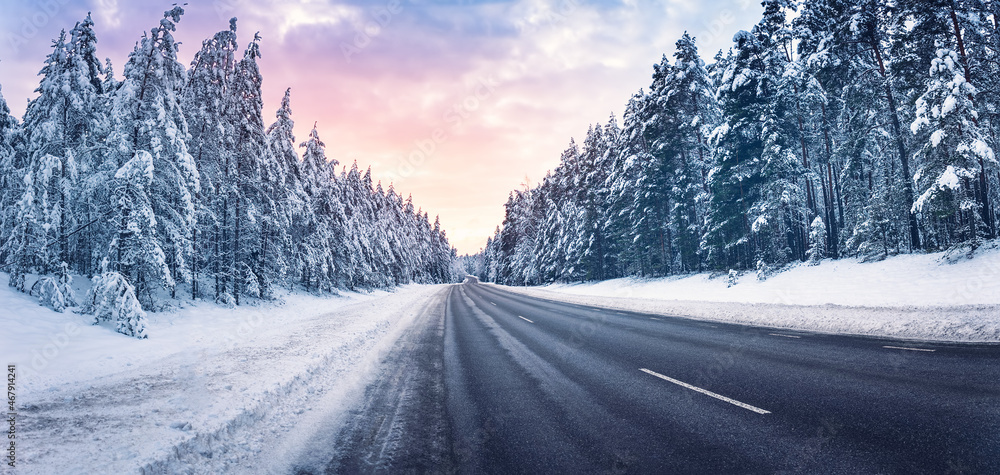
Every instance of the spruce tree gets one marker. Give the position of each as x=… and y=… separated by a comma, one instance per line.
x=950, y=158
x=147, y=118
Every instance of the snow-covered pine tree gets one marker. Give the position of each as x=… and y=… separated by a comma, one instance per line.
x=42, y=214
x=294, y=203
x=112, y=299
x=64, y=123
x=268, y=215
x=90, y=85
x=135, y=252
x=64, y=132
x=964, y=28
x=549, y=256
x=593, y=199
x=11, y=190
x=206, y=102
x=55, y=292
x=779, y=216
x=319, y=262
x=738, y=146
x=817, y=241
x=827, y=67
x=756, y=182
x=627, y=171
x=254, y=208
x=359, y=213
x=858, y=147
x=50, y=183
x=147, y=117
x=950, y=160
x=687, y=111
x=873, y=23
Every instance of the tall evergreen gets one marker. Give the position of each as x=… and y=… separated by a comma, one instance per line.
x=206, y=102
x=952, y=158
x=147, y=117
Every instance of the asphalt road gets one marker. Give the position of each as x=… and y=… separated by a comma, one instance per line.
x=496, y=382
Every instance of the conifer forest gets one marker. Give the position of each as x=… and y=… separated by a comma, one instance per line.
x=167, y=182
x=832, y=129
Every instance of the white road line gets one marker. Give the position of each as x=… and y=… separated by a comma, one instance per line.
x=654, y=318
x=907, y=348
x=525, y=319
x=786, y=336
x=494, y=304
x=706, y=392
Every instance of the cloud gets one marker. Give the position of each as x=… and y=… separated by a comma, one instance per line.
x=107, y=12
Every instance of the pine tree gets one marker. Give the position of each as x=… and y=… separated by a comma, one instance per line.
x=950, y=159
x=817, y=241
x=759, y=171
x=135, y=251
x=295, y=204
x=739, y=146
x=90, y=86
x=630, y=154
x=322, y=259
x=255, y=210
x=206, y=102
x=687, y=111
x=44, y=204
x=11, y=191
x=113, y=299
x=64, y=125
x=147, y=118
x=264, y=215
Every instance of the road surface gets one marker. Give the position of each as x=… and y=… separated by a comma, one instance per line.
x=497, y=382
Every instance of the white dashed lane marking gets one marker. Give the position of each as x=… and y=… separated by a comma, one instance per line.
x=706, y=392
x=907, y=348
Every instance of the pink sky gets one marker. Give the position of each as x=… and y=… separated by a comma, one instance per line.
x=455, y=102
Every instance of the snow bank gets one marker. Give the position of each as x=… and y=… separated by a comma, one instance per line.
x=210, y=390
x=931, y=297
x=913, y=279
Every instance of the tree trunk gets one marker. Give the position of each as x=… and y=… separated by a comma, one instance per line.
x=834, y=232
x=900, y=146
x=194, y=263
x=236, y=251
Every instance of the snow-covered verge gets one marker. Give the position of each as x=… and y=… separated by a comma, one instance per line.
x=212, y=389
x=927, y=297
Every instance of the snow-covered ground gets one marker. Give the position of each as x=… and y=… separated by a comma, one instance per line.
x=929, y=296
x=212, y=389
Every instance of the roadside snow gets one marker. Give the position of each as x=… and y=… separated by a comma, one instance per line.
x=928, y=297
x=211, y=390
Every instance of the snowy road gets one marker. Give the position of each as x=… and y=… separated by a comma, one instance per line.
x=531, y=385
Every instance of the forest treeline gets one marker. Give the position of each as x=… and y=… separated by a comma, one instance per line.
x=859, y=128
x=167, y=182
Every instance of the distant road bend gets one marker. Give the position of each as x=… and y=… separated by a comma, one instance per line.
x=498, y=382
